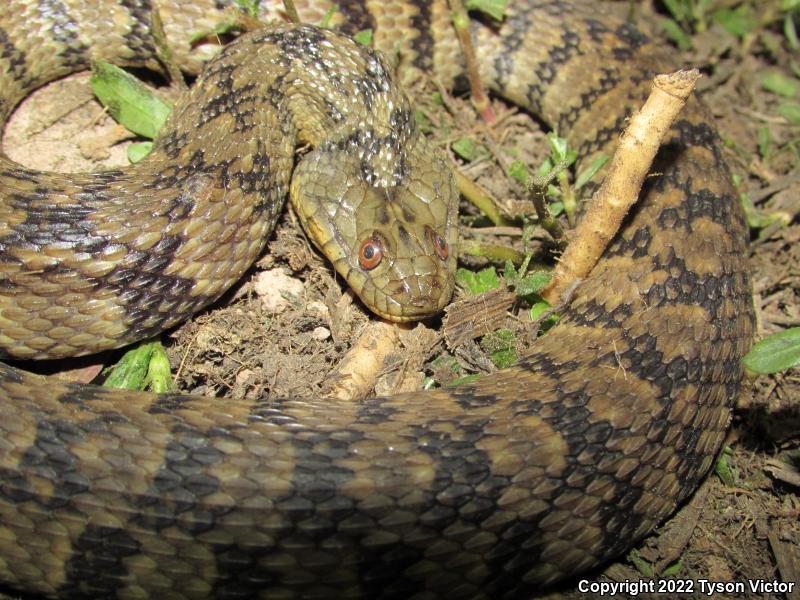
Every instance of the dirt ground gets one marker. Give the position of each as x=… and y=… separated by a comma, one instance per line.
x=743, y=526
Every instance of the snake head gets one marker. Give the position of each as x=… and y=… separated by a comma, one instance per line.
x=390, y=231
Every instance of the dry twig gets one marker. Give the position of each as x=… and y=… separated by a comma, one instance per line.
x=481, y=199
x=479, y=97
x=291, y=11
x=356, y=374
x=629, y=167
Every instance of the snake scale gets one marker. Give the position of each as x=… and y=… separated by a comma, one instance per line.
x=490, y=490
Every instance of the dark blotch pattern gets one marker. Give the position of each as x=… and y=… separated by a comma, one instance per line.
x=356, y=16
x=65, y=30
x=423, y=42
x=97, y=561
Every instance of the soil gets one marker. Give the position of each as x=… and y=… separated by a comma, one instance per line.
x=741, y=525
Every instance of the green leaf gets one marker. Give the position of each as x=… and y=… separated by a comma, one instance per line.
x=675, y=33
x=790, y=112
x=130, y=372
x=699, y=8
x=494, y=8
x=778, y=83
x=757, y=219
x=545, y=168
x=644, y=567
x=777, y=352
x=466, y=148
x=679, y=10
x=477, y=283
x=144, y=366
x=219, y=29
x=138, y=151
x=325, y=23
x=129, y=101
x=443, y=361
x=556, y=208
x=538, y=309
x=673, y=569
x=589, y=172
x=737, y=21
x=518, y=171
x=727, y=474
x=790, y=31
x=464, y=379
x=422, y=120
x=501, y=346
x=558, y=148
x=764, y=140
x=364, y=37
x=249, y=6
x=159, y=377
x=503, y=359
x=533, y=283
x=509, y=271
x=446, y=361
x=536, y=312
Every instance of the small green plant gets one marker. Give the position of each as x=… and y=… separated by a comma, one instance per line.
x=478, y=282
x=787, y=88
x=501, y=346
x=687, y=17
x=647, y=569
x=144, y=367
x=494, y=8
x=727, y=474
x=552, y=178
x=364, y=37
x=777, y=352
x=131, y=103
x=466, y=148
x=758, y=219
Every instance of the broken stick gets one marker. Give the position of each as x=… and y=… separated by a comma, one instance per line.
x=632, y=160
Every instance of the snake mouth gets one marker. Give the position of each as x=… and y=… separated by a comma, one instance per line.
x=407, y=316
x=412, y=308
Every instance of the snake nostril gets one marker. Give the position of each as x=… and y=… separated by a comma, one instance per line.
x=399, y=289
x=419, y=301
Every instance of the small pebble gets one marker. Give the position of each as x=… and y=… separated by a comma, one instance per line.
x=270, y=286
x=321, y=333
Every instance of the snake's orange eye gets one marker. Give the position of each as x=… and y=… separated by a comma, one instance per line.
x=370, y=253
x=439, y=244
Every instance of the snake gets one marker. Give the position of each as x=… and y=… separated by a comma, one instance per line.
x=494, y=489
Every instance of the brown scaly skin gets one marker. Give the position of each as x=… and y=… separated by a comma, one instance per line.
x=486, y=491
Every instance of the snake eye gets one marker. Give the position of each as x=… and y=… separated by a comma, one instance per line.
x=439, y=244
x=370, y=253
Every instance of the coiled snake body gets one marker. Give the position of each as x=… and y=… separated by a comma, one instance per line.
x=489, y=490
